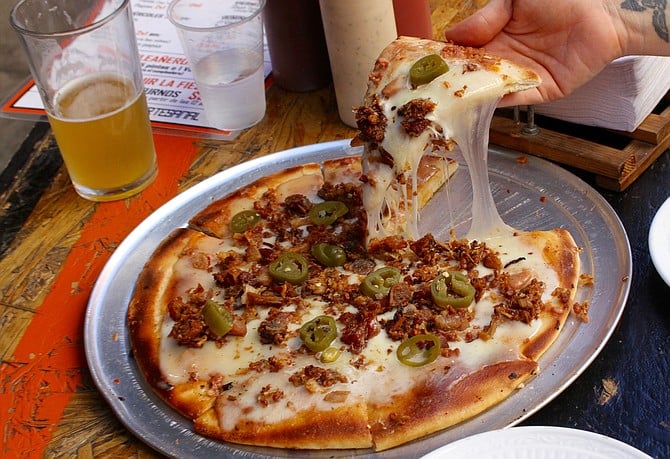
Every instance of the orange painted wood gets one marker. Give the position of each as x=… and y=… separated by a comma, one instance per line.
x=49, y=405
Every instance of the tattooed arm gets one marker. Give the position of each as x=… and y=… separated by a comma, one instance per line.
x=640, y=17
x=566, y=41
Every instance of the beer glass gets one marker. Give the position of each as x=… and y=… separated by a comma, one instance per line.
x=84, y=60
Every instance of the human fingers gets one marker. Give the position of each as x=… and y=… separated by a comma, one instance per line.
x=528, y=97
x=482, y=26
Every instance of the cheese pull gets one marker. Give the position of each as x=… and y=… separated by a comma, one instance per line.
x=426, y=96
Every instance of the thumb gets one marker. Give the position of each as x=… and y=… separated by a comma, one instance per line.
x=482, y=26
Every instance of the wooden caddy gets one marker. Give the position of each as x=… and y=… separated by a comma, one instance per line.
x=616, y=158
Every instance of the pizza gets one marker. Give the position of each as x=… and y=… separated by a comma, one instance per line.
x=281, y=317
x=423, y=96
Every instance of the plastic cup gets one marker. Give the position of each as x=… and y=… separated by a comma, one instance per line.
x=224, y=46
x=84, y=60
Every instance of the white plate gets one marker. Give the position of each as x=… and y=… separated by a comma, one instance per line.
x=537, y=443
x=659, y=241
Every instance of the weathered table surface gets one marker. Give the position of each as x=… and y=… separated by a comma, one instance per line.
x=54, y=244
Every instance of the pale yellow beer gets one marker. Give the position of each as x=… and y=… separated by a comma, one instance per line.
x=103, y=132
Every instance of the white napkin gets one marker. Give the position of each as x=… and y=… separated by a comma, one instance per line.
x=620, y=97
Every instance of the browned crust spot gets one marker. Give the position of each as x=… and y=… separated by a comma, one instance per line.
x=343, y=427
x=437, y=402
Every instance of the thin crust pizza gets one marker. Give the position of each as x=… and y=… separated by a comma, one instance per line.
x=274, y=319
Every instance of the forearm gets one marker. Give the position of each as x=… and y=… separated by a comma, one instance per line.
x=643, y=26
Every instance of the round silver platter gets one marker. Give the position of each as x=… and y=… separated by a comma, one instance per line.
x=530, y=194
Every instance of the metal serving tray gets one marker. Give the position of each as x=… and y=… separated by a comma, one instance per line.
x=530, y=194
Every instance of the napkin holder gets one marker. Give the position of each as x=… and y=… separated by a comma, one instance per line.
x=615, y=158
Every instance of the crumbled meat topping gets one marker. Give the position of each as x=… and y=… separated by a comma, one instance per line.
x=581, y=310
x=371, y=121
x=269, y=395
x=272, y=364
x=315, y=378
x=414, y=113
x=358, y=329
x=274, y=329
x=297, y=204
x=248, y=291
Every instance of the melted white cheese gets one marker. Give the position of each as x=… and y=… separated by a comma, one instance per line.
x=232, y=360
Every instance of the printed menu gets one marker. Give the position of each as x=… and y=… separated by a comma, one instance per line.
x=172, y=95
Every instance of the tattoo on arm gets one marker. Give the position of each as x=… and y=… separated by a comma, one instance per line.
x=658, y=8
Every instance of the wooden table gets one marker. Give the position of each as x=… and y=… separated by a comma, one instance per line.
x=54, y=244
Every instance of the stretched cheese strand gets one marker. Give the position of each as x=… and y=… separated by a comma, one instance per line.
x=471, y=132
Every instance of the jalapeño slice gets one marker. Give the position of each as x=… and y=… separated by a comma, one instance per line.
x=318, y=333
x=330, y=354
x=427, y=69
x=329, y=255
x=325, y=213
x=419, y=350
x=244, y=220
x=379, y=282
x=452, y=288
x=290, y=267
x=218, y=319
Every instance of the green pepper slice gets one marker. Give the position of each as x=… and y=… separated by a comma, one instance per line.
x=244, y=220
x=329, y=255
x=379, y=282
x=318, y=333
x=218, y=319
x=452, y=289
x=325, y=213
x=427, y=69
x=415, y=352
x=290, y=267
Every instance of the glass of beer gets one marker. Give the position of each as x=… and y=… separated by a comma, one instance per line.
x=84, y=60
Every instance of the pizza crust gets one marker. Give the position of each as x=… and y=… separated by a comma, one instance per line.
x=344, y=426
x=305, y=179
x=437, y=402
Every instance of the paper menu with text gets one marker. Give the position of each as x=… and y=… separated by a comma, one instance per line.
x=172, y=95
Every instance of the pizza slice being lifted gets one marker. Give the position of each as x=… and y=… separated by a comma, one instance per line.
x=418, y=94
